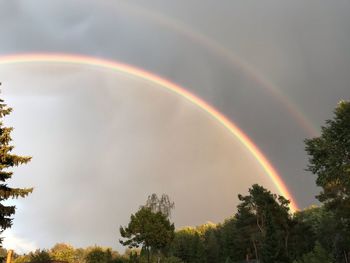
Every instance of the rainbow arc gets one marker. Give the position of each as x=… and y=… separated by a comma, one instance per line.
x=180, y=91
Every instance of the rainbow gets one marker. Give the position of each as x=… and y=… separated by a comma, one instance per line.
x=232, y=59
x=180, y=91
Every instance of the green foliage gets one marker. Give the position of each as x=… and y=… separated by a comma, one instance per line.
x=211, y=244
x=98, y=255
x=317, y=255
x=63, y=252
x=329, y=159
x=231, y=245
x=67, y=253
x=21, y=259
x=120, y=260
x=149, y=230
x=188, y=245
x=172, y=260
x=304, y=231
x=40, y=256
x=264, y=221
x=102, y=255
x=270, y=251
x=80, y=254
x=7, y=161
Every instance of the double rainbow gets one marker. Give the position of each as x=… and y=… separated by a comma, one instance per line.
x=142, y=74
x=216, y=48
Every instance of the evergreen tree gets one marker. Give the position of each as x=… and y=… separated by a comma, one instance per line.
x=318, y=255
x=270, y=245
x=305, y=229
x=231, y=246
x=188, y=245
x=8, y=160
x=212, y=248
x=263, y=220
x=152, y=231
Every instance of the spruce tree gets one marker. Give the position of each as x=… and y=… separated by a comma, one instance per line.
x=7, y=161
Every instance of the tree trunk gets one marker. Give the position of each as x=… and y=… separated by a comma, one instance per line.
x=346, y=257
x=158, y=259
x=256, y=251
x=148, y=255
x=286, y=244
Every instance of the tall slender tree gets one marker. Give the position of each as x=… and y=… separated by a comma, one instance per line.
x=7, y=161
x=329, y=160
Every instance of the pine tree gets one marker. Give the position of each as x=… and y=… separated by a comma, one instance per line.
x=8, y=160
x=152, y=231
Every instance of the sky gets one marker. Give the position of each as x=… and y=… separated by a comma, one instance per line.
x=102, y=140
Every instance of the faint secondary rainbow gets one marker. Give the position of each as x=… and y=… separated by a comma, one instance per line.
x=225, y=54
x=131, y=70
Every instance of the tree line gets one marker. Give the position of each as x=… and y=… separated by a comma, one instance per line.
x=263, y=229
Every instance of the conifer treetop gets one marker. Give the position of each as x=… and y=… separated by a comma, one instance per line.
x=8, y=160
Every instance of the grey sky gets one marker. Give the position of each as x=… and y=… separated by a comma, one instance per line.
x=103, y=141
x=301, y=47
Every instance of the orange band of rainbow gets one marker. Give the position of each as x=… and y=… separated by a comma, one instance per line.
x=124, y=68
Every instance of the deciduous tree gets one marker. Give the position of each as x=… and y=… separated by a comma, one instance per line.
x=40, y=256
x=63, y=252
x=329, y=160
x=161, y=204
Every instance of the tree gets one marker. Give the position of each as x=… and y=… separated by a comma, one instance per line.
x=98, y=255
x=263, y=222
x=172, y=260
x=188, y=245
x=153, y=231
x=40, y=256
x=231, y=245
x=21, y=258
x=318, y=255
x=8, y=160
x=305, y=226
x=63, y=252
x=329, y=159
x=212, y=247
x=162, y=204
